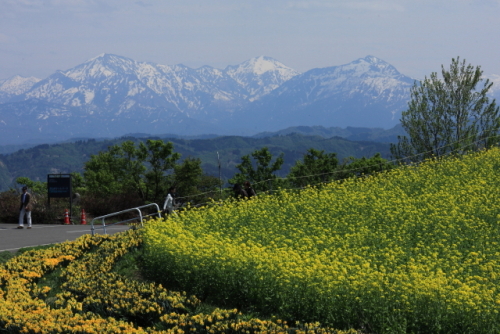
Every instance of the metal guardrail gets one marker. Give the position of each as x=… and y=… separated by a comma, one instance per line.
x=139, y=217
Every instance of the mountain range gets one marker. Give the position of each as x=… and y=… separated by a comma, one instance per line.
x=110, y=96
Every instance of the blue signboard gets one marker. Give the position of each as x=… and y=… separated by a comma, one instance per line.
x=59, y=185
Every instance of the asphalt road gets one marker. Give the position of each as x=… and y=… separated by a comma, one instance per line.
x=12, y=238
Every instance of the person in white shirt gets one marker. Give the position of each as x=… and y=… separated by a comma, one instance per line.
x=25, y=208
x=168, y=206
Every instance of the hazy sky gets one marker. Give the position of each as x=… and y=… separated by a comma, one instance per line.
x=38, y=37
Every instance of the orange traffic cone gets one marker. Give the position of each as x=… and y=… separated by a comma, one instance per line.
x=66, y=217
x=83, y=218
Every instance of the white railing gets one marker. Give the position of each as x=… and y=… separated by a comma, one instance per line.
x=140, y=217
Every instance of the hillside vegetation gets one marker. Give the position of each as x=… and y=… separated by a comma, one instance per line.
x=75, y=287
x=36, y=162
x=411, y=250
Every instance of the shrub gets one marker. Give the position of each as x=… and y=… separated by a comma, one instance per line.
x=99, y=206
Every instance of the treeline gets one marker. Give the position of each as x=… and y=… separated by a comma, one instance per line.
x=37, y=162
x=132, y=173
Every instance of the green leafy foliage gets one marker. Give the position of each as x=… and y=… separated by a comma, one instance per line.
x=365, y=166
x=193, y=185
x=37, y=187
x=188, y=175
x=448, y=114
x=141, y=171
x=316, y=167
x=128, y=175
x=37, y=162
x=114, y=171
x=261, y=173
x=160, y=158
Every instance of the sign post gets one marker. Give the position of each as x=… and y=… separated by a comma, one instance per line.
x=59, y=186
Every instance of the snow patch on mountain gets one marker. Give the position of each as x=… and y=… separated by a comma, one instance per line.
x=260, y=75
x=15, y=86
x=89, y=96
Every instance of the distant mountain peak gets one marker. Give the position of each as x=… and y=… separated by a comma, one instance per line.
x=373, y=59
x=103, y=65
x=102, y=55
x=17, y=85
x=367, y=66
x=260, y=65
x=109, y=60
x=106, y=56
x=260, y=75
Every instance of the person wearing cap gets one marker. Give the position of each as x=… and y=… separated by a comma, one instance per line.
x=25, y=208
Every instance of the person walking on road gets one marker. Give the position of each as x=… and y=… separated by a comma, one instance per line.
x=25, y=208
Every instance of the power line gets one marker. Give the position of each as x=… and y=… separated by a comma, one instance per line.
x=394, y=162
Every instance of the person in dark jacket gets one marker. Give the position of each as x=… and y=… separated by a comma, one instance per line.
x=249, y=190
x=25, y=208
x=239, y=192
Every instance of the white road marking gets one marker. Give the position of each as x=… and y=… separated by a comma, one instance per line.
x=11, y=249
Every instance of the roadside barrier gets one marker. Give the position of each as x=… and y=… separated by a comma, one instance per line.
x=83, y=218
x=66, y=217
x=139, y=217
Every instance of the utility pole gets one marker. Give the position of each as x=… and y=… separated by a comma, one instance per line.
x=220, y=181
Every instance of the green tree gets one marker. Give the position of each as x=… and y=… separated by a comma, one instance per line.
x=316, y=167
x=210, y=187
x=351, y=166
x=187, y=176
x=448, y=114
x=133, y=162
x=142, y=171
x=37, y=187
x=114, y=172
x=193, y=184
x=262, y=176
x=77, y=182
x=161, y=159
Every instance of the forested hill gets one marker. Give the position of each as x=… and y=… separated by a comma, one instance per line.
x=38, y=161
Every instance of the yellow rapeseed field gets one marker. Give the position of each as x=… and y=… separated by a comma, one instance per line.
x=415, y=250
x=93, y=299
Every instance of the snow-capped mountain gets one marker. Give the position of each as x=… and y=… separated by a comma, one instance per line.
x=367, y=92
x=15, y=86
x=118, y=85
x=122, y=85
x=110, y=95
x=259, y=76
